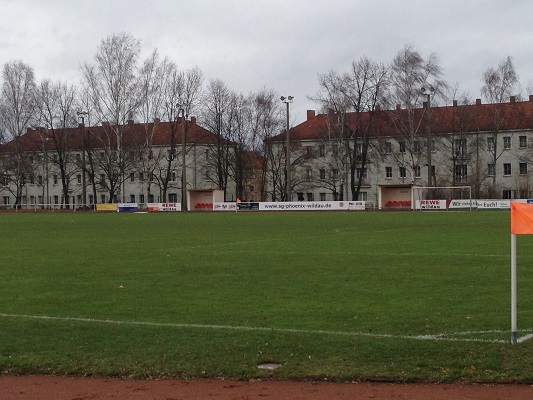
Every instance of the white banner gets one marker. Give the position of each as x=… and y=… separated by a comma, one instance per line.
x=463, y=204
x=312, y=206
x=225, y=207
x=494, y=204
x=460, y=204
x=430, y=204
x=157, y=207
x=293, y=206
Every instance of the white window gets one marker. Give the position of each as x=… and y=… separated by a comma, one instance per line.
x=322, y=174
x=491, y=171
x=459, y=147
x=507, y=142
x=388, y=147
x=402, y=147
x=461, y=173
x=388, y=172
x=403, y=172
x=522, y=140
x=417, y=171
x=507, y=169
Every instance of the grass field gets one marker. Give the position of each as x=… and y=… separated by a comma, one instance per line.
x=336, y=296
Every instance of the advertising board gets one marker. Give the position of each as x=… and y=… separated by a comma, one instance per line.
x=164, y=207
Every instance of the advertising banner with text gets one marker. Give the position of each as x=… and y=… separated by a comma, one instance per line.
x=292, y=206
x=160, y=207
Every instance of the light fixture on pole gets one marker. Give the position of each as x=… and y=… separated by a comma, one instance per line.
x=183, y=168
x=82, y=114
x=287, y=100
x=428, y=91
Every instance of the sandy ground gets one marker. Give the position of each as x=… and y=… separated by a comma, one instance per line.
x=69, y=388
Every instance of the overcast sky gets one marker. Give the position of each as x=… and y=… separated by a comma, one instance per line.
x=280, y=45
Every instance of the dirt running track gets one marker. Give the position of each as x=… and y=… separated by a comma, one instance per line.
x=66, y=388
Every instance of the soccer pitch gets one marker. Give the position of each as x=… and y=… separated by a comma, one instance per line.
x=332, y=295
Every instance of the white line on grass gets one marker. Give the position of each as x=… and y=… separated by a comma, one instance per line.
x=435, y=337
x=354, y=253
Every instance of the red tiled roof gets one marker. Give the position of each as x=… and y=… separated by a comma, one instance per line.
x=448, y=119
x=133, y=133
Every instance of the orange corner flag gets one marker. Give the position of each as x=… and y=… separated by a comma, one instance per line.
x=521, y=218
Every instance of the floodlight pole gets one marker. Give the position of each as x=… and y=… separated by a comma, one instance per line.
x=183, y=169
x=82, y=114
x=287, y=101
x=428, y=91
x=513, y=290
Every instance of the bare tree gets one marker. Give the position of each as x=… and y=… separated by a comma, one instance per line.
x=112, y=86
x=57, y=112
x=217, y=115
x=181, y=90
x=352, y=99
x=498, y=85
x=409, y=72
x=17, y=110
x=266, y=122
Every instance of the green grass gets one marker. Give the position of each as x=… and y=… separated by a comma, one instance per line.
x=337, y=296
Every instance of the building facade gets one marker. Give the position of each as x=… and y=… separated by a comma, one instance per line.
x=488, y=147
x=137, y=163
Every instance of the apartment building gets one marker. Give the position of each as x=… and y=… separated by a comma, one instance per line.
x=351, y=156
x=82, y=166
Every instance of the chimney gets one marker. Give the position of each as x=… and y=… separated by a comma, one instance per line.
x=530, y=97
x=310, y=114
x=193, y=120
x=398, y=106
x=156, y=121
x=105, y=123
x=512, y=99
x=424, y=104
x=478, y=102
x=130, y=122
x=455, y=103
x=377, y=108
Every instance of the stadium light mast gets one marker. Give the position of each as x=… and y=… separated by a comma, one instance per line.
x=183, y=168
x=428, y=91
x=82, y=114
x=287, y=100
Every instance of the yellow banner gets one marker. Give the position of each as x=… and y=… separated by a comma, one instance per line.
x=106, y=207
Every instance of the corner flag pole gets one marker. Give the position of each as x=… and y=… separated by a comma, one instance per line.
x=513, y=289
